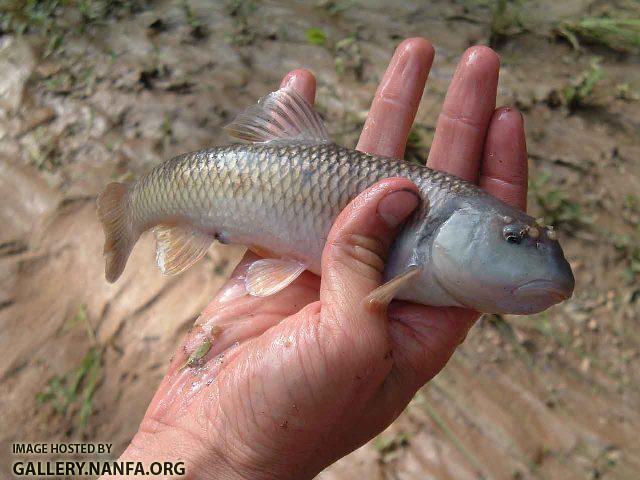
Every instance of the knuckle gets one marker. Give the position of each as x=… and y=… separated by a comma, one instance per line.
x=461, y=119
x=371, y=244
x=362, y=253
x=396, y=100
x=343, y=262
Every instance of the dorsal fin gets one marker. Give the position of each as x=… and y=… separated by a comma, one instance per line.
x=282, y=116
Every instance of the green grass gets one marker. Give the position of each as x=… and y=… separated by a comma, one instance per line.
x=36, y=17
x=620, y=34
x=347, y=53
x=198, y=29
x=45, y=16
x=316, y=36
x=387, y=443
x=72, y=394
x=579, y=93
x=420, y=400
x=505, y=330
x=334, y=7
x=55, y=19
x=241, y=12
x=240, y=8
x=548, y=328
x=628, y=247
x=44, y=152
x=81, y=318
x=348, y=57
x=506, y=22
x=556, y=205
x=625, y=92
x=166, y=132
x=27, y=16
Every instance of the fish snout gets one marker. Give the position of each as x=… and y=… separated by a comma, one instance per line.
x=559, y=285
x=536, y=288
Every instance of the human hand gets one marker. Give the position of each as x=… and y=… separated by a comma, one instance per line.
x=289, y=383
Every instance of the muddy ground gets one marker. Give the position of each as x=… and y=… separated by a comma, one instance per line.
x=105, y=90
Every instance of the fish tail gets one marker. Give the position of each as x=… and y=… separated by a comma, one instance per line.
x=119, y=236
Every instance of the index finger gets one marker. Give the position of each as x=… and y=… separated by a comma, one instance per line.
x=467, y=109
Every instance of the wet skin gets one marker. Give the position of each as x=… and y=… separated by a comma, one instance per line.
x=317, y=373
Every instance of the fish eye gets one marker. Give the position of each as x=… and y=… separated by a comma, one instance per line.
x=512, y=234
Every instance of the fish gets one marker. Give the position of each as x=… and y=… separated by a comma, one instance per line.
x=279, y=192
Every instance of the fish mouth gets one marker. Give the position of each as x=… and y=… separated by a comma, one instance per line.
x=559, y=291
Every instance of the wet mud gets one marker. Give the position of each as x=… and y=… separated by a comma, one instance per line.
x=555, y=395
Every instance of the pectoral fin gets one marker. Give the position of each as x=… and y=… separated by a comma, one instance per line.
x=179, y=247
x=382, y=296
x=269, y=276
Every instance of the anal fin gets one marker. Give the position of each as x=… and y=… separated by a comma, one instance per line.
x=178, y=247
x=270, y=275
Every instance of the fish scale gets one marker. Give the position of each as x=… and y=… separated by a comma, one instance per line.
x=288, y=196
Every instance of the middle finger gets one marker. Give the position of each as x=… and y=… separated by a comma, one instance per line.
x=465, y=116
x=397, y=98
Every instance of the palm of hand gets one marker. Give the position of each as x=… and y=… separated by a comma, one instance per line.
x=313, y=377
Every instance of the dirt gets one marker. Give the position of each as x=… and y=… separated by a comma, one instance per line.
x=555, y=395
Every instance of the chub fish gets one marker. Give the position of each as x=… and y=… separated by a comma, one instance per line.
x=280, y=193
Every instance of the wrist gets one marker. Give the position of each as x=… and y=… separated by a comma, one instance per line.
x=200, y=459
x=177, y=446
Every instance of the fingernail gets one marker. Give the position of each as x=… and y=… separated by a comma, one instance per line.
x=396, y=207
x=504, y=113
x=289, y=80
x=472, y=57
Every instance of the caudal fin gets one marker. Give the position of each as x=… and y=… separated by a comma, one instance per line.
x=118, y=232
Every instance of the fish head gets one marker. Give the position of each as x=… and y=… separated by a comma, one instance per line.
x=496, y=259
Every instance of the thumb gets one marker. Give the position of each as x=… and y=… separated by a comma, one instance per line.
x=354, y=255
